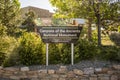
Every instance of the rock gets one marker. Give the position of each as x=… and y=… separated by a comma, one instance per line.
x=62, y=79
x=1, y=67
x=103, y=78
x=63, y=67
x=98, y=70
x=111, y=72
x=78, y=72
x=71, y=74
x=55, y=76
x=93, y=78
x=114, y=77
x=43, y=71
x=88, y=71
x=51, y=71
x=14, y=77
x=11, y=69
x=105, y=70
x=116, y=67
x=24, y=68
x=31, y=73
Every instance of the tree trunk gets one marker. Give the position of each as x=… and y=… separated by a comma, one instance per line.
x=89, y=30
x=99, y=30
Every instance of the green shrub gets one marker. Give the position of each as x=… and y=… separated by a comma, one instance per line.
x=30, y=51
x=2, y=57
x=12, y=59
x=54, y=54
x=111, y=53
x=115, y=37
x=85, y=50
x=66, y=54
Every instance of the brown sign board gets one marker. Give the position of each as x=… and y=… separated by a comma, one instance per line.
x=59, y=34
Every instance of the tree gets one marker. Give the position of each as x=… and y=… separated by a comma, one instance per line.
x=9, y=11
x=96, y=11
x=29, y=22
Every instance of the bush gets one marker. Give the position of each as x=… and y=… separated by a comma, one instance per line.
x=2, y=57
x=30, y=51
x=85, y=50
x=115, y=37
x=110, y=53
x=66, y=54
x=54, y=54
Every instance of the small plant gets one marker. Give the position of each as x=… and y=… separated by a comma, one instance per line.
x=30, y=51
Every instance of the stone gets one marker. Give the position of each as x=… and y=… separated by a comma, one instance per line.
x=75, y=79
x=54, y=79
x=105, y=70
x=84, y=78
x=114, y=77
x=63, y=67
x=24, y=69
x=1, y=67
x=51, y=71
x=34, y=79
x=15, y=77
x=98, y=69
x=63, y=76
x=78, y=72
x=93, y=78
x=25, y=79
x=42, y=75
x=88, y=70
x=11, y=69
x=111, y=72
x=43, y=71
x=70, y=74
x=55, y=76
x=61, y=79
x=62, y=70
x=103, y=76
x=116, y=67
x=31, y=73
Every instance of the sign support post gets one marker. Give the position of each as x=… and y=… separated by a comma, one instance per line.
x=47, y=45
x=72, y=53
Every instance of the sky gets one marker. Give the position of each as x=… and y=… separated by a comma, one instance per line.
x=44, y=4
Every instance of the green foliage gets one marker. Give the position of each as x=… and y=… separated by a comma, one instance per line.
x=58, y=22
x=12, y=58
x=66, y=54
x=2, y=30
x=115, y=37
x=119, y=29
x=2, y=57
x=54, y=54
x=29, y=23
x=7, y=46
x=110, y=53
x=30, y=51
x=85, y=50
x=103, y=13
x=9, y=11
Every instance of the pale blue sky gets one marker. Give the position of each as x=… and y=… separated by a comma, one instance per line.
x=44, y=4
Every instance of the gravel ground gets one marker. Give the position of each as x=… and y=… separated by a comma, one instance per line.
x=81, y=65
